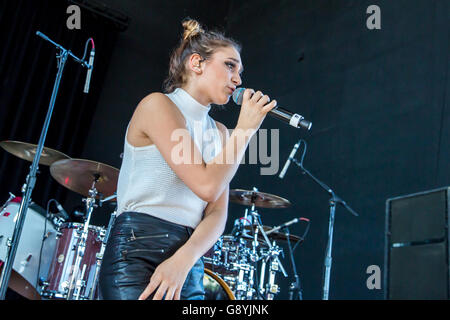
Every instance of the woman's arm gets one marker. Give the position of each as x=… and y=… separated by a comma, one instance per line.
x=171, y=274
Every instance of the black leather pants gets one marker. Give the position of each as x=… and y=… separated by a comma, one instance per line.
x=137, y=244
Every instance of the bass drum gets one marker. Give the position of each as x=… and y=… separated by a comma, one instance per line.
x=215, y=287
x=34, y=251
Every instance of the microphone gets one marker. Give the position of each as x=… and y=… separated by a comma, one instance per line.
x=283, y=225
x=293, y=119
x=89, y=71
x=288, y=161
x=61, y=211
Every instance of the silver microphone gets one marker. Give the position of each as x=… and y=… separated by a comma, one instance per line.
x=61, y=210
x=288, y=161
x=283, y=225
x=89, y=72
x=293, y=119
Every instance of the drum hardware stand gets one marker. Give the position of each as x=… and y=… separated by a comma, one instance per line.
x=332, y=204
x=273, y=250
x=30, y=182
x=255, y=220
x=243, y=289
x=99, y=256
x=75, y=291
x=272, y=288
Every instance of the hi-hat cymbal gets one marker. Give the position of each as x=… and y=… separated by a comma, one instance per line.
x=27, y=151
x=276, y=235
x=257, y=198
x=78, y=175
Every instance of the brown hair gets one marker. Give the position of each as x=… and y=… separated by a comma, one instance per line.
x=195, y=40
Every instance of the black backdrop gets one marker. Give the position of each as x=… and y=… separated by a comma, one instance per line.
x=27, y=72
x=378, y=100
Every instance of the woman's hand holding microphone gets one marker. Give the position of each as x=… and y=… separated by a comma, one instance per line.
x=254, y=109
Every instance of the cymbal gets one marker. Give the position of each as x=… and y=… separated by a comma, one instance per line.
x=27, y=151
x=78, y=175
x=259, y=199
x=276, y=235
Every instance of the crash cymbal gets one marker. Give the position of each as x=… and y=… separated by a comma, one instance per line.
x=79, y=174
x=276, y=235
x=27, y=151
x=257, y=198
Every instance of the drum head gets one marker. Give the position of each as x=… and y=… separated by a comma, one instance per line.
x=33, y=254
x=215, y=287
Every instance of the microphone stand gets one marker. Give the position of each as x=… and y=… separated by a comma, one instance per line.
x=30, y=182
x=295, y=286
x=332, y=204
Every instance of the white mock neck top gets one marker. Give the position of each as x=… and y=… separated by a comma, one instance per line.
x=146, y=182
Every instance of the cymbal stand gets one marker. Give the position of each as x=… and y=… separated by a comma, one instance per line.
x=77, y=283
x=27, y=188
x=273, y=250
x=99, y=256
x=258, y=226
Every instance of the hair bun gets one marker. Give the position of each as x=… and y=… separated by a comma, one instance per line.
x=191, y=28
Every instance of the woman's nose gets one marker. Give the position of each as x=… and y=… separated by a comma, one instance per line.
x=237, y=80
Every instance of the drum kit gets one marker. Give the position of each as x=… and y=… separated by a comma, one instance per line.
x=59, y=259
x=242, y=258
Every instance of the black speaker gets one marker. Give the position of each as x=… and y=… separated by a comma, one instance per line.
x=417, y=246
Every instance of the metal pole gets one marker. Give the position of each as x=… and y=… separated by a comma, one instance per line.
x=28, y=187
x=328, y=258
x=30, y=182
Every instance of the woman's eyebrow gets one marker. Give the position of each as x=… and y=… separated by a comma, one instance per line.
x=237, y=61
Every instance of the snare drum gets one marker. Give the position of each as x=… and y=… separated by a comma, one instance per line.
x=58, y=281
x=24, y=275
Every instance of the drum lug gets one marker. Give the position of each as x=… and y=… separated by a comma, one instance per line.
x=274, y=289
x=274, y=266
x=43, y=283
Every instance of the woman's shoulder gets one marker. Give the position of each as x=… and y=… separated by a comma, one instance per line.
x=156, y=106
x=155, y=102
x=154, y=98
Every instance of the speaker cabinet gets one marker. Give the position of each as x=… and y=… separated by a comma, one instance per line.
x=417, y=246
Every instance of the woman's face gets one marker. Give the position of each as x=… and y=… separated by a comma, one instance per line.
x=221, y=74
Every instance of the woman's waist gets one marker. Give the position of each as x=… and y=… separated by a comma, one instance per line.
x=148, y=224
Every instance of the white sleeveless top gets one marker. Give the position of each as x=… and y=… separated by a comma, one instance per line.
x=146, y=182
